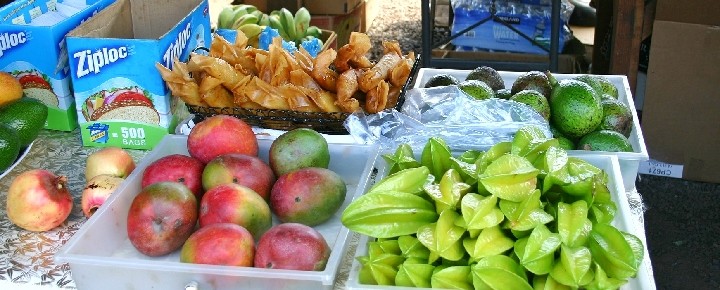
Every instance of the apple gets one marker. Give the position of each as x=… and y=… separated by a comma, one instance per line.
x=234, y=203
x=292, y=246
x=224, y=244
x=241, y=169
x=221, y=134
x=113, y=161
x=176, y=167
x=38, y=200
x=161, y=217
x=96, y=192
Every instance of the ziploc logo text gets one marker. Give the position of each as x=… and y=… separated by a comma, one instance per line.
x=176, y=48
x=9, y=40
x=93, y=62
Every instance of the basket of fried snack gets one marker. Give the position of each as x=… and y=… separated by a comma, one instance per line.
x=277, y=89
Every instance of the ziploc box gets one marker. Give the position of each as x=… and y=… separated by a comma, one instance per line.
x=120, y=97
x=33, y=49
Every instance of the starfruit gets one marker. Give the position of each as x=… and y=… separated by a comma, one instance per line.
x=480, y=212
x=414, y=275
x=573, y=223
x=554, y=159
x=384, y=247
x=453, y=277
x=603, y=208
x=537, y=252
x=525, y=215
x=510, y=177
x=410, y=247
x=603, y=282
x=491, y=241
x=530, y=142
x=467, y=170
x=499, y=272
x=380, y=269
x=545, y=282
x=612, y=251
x=448, y=193
x=573, y=267
x=403, y=158
x=436, y=156
x=470, y=156
x=387, y=214
x=497, y=150
x=409, y=180
x=575, y=178
x=443, y=238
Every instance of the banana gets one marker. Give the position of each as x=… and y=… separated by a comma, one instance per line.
x=236, y=15
x=274, y=22
x=225, y=18
x=245, y=7
x=264, y=20
x=313, y=31
x=245, y=19
x=288, y=23
x=251, y=30
x=302, y=22
x=258, y=14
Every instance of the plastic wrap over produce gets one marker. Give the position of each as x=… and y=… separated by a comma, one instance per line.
x=445, y=112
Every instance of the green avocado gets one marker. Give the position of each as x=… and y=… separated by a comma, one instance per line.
x=26, y=116
x=477, y=89
x=503, y=94
x=605, y=140
x=532, y=80
x=9, y=147
x=617, y=116
x=607, y=86
x=488, y=75
x=440, y=80
x=592, y=81
x=535, y=100
x=575, y=109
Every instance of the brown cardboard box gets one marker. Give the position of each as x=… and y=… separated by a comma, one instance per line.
x=567, y=64
x=343, y=25
x=681, y=109
x=370, y=11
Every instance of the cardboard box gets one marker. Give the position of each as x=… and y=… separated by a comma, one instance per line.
x=567, y=64
x=37, y=55
x=120, y=98
x=681, y=107
x=370, y=11
x=343, y=25
x=314, y=6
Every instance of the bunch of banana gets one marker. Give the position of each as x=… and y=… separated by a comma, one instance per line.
x=251, y=21
x=296, y=27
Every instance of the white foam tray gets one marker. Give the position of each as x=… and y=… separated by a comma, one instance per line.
x=629, y=161
x=101, y=256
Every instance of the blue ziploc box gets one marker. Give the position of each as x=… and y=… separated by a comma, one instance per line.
x=121, y=99
x=33, y=49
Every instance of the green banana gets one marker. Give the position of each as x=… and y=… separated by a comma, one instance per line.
x=259, y=14
x=237, y=14
x=288, y=23
x=302, y=22
x=245, y=7
x=313, y=31
x=274, y=23
x=245, y=19
x=225, y=18
x=251, y=30
x=264, y=20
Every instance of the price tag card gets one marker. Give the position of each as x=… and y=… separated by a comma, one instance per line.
x=654, y=167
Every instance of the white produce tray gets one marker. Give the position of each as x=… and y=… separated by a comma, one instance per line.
x=101, y=256
x=629, y=161
x=624, y=220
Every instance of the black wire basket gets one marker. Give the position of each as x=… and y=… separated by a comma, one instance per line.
x=323, y=122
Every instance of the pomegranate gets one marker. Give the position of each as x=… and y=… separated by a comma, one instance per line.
x=97, y=190
x=109, y=160
x=38, y=200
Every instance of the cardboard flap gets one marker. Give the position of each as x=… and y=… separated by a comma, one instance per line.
x=112, y=22
x=156, y=18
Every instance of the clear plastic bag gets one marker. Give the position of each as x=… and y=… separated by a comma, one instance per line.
x=444, y=112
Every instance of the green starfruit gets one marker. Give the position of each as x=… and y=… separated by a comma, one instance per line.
x=387, y=214
x=409, y=180
x=499, y=272
x=410, y=247
x=414, y=275
x=573, y=223
x=491, y=241
x=480, y=212
x=380, y=269
x=448, y=192
x=612, y=251
x=603, y=282
x=573, y=267
x=436, y=156
x=403, y=158
x=453, y=277
x=525, y=215
x=537, y=252
x=443, y=238
x=545, y=282
x=510, y=177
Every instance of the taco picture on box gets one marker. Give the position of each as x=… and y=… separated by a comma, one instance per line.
x=128, y=104
x=36, y=85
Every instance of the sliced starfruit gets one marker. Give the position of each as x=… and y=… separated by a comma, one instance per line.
x=603, y=282
x=537, y=252
x=573, y=267
x=491, y=241
x=410, y=247
x=403, y=158
x=545, y=282
x=387, y=214
x=436, y=156
x=453, y=277
x=414, y=275
x=612, y=251
x=380, y=269
x=510, y=177
x=443, y=238
x=573, y=223
x=409, y=180
x=448, y=192
x=525, y=215
x=499, y=272
x=480, y=212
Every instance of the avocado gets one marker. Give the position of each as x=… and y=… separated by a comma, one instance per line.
x=575, y=109
x=488, y=75
x=26, y=116
x=9, y=147
x=593, y=82
x=532, y=80
x=617, y=116
x=535, y=100
x=607, y=86
x=605, y=140
x=503, y=94
x=439, y=80
x=564, y=142
x=477, y=89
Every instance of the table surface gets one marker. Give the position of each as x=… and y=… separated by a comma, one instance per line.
x=27, y=258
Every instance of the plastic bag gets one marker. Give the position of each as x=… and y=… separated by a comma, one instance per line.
x=444, y=112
